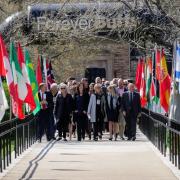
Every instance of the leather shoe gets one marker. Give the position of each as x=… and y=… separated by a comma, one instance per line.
x=134, y=138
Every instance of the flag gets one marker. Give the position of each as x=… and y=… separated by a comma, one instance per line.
x=148, y=77
x=8, y=73
x=177, y=66
x=2, y=68
x=3, y=101
x=19, y=81
x=29, y=97
x=39, y=72
x=138, y=74
x=33, y=81
x=175, y=94
x=45, y=69
x=143, y=87
x=165, y=84
x=152, y=89
x=158, y=65
x=50, y=75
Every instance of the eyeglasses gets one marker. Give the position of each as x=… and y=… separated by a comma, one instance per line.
x=63, y=88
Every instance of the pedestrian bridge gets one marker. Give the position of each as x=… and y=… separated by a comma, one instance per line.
x=155, y=156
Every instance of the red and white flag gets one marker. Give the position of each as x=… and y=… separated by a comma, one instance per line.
x=6, y=71
x=143, y=87
x=29, y=99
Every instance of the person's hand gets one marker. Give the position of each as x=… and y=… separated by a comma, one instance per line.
x=89, y=116
x=139, y=115
x=124, y=113
x=76, y=111
x=84, y=112
x=44, y=102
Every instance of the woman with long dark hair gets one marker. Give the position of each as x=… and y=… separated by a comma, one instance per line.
x=81, y=106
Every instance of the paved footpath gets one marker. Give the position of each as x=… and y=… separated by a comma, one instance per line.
x=88, y=160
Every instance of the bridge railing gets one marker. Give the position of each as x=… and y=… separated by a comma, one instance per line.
x=164, y=135
x=15, y=137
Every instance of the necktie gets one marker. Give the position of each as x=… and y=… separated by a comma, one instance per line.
x=131, y=97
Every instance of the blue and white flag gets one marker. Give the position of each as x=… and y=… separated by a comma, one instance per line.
x=175, y=91
x=177, y=66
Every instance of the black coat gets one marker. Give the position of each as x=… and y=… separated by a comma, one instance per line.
x=134, y=107
x=49, y=99
x=120, y=100
x=61, y=103
x=85, y=102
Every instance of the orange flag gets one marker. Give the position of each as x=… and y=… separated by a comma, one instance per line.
x=165, y=83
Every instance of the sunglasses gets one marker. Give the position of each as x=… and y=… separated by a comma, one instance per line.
x=63, y=88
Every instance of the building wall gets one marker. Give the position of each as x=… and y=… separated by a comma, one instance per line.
x=116, y=61
x=121, y=63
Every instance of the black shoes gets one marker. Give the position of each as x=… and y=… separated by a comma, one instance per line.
x=59, y=138
x=39, y=140
x=131, y=139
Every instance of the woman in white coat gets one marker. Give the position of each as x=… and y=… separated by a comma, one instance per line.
x=95, y=113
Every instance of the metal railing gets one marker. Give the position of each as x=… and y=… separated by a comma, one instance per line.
x=15, y=137
x=165, y=136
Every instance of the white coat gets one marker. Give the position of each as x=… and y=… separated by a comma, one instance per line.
x=92, y=108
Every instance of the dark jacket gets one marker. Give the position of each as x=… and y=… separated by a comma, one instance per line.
x=134, y=107
x=61, y=103
x=120, y=100
x=49, y=99
x=85, y=103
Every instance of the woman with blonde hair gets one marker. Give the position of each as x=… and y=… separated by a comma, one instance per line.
x=111, y=107
x=63, y=111
x=95, y=113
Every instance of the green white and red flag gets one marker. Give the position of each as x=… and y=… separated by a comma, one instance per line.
x=29, y=99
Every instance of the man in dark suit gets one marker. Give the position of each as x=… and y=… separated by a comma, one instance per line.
x=131, y=107
x=46, y=101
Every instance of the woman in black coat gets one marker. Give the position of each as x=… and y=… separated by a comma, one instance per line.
x=63, y=111
x=81, y=106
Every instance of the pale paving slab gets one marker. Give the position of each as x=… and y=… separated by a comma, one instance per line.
x=102, y=160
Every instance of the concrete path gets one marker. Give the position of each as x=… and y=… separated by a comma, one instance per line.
x=88, y=160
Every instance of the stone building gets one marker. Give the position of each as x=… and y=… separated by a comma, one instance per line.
x=112, y=61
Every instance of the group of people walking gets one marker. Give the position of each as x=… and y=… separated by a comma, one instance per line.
x=79, y=109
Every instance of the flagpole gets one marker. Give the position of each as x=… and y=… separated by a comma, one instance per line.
x=173, y=82
x=10, y=99
x=160, y=81
x=171, y=112
x=155, y=64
